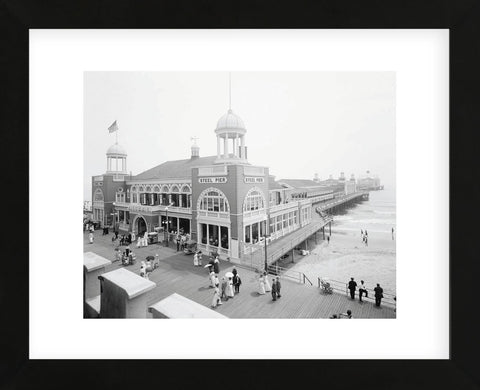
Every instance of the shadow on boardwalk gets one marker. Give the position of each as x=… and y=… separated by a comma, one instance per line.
x=178, y=274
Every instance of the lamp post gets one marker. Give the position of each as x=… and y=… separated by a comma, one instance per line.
x=266, y=263
x=166, y=223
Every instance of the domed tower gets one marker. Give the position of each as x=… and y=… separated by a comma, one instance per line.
x=230, y=133
x=116, y=160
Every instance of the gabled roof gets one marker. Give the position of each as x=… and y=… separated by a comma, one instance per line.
x=274, y=185
x=299, y=183
x=177, y=169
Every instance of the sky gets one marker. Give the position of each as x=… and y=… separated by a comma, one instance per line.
x=298, y=123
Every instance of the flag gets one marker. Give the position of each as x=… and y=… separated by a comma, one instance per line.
x=113, y=127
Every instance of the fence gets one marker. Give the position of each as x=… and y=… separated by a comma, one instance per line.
x=342, y=287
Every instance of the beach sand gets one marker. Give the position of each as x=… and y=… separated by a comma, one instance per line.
x=347, y=256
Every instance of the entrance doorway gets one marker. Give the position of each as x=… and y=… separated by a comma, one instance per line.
x=141, y=226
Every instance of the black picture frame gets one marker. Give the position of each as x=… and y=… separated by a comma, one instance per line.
x=460, y=17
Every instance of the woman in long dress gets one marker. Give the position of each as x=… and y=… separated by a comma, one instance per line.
x=261, y=285
x=212, y=279
x=216, y=297
x=268, y=288
x=195, y=259
x=230, y=288
x=90, y=237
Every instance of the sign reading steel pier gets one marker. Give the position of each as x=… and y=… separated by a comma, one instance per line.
x=212, y=180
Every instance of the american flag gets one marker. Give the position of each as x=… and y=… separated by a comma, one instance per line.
x=113, y=127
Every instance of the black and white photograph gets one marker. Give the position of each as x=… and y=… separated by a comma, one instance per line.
x=239, y=195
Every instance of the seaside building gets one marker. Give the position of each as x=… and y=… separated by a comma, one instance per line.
x=369, y=182
x=225, y=203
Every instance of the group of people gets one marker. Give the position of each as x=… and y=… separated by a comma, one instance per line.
x=362, y=290
x=347, y=314
x=181, y=240
x=90, y=228
x=197, y=258
x=229, y=287
x=364, y=235
x=264, y=286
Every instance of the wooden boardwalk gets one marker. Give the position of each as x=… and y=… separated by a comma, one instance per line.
x=178, y=274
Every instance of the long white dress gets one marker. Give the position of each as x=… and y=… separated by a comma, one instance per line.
x=268, y=288
x=195, y=259
x=261, y=285
x=212, y=279
x=230, y=288
x=216, y=298
x=90, y=237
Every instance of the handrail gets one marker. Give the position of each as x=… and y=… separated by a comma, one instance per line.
x=338, y=286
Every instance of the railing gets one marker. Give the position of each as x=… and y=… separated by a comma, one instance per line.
x=288, y=274
x=209, y=249
x=339, y=200
x=257, y=259
x=214, y=214
x=342, y=287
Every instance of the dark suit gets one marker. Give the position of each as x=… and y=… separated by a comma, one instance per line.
x=274, y=291
x=352, y=286
x=277, y=283
x=378, y=295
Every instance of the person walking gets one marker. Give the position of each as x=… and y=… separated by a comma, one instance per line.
x=268, y=288
x=230, y=293
x=366, y=240
x=378, y=295
x=352, y=286
x=236, y=283
x=234, y=271
x=195, y=259
x=216, y=297
x=212, y=278
x=274, y=291
x=279, y=286
x=199, y=257
x=216, y=265
x=261, y=285
x=328, y=239
x=362, y=290
x=90, y=237
x=224, y=289
x=178, y=243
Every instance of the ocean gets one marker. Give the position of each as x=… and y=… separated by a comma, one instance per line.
x=347, y=256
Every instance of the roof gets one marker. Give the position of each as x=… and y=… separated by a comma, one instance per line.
x=132, y=283
x=92, y=261
x=230, y=121
x=176, y=169
x=116, y=149
x=178, y=306
x=300, y=183
x=274, y=185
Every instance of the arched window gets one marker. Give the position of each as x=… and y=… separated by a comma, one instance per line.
x=165, y=190
x=148, y=189
x=98, y=195
x=140, y=189
x=156, y=189
x=253, y=200
x=186, y=189
x=175, y=189
x=213, y=200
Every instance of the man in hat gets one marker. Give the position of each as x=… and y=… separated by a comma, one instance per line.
x=279, y=286
x=274, y=291
x=352, y=286
x=378, y=295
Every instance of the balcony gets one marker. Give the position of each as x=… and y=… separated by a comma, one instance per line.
x=134, y=207
x=213, y=214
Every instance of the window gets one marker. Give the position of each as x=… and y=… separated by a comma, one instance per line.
x=98, y=195
x=253, y=200
x=213, y=200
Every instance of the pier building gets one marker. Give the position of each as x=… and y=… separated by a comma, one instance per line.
x=226, y=204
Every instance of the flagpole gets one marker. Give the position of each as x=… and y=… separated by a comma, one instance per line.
x=116, y=136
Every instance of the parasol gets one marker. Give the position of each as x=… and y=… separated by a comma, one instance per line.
x=229, y=275
x=207, y=266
